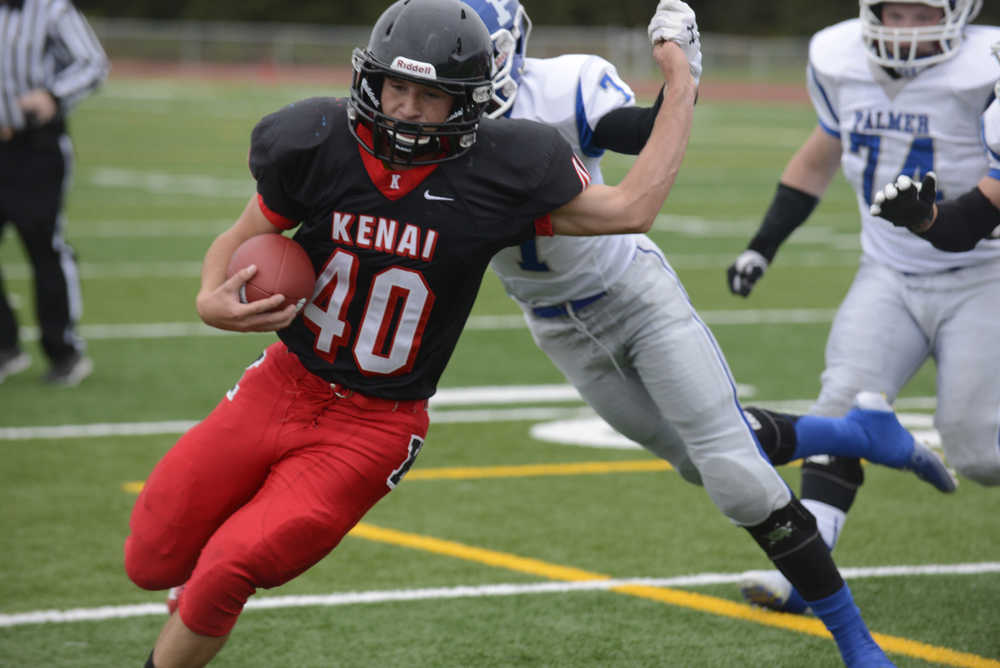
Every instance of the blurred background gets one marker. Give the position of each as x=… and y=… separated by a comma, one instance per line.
x=741, y=39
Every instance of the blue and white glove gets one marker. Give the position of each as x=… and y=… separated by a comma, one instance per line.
x=674, y=21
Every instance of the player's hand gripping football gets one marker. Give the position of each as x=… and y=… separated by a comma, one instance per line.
x=674, y=21
x=907, y=204
x=223, y=309
x=743, y=274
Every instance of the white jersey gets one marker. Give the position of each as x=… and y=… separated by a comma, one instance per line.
x=905, y=126
x=571, y=93
x=991, y=134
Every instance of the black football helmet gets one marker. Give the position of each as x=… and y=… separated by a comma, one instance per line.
x=439, y=43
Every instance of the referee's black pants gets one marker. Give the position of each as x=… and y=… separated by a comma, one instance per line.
x=34, y=170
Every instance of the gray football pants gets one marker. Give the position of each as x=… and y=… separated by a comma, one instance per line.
x=890, y=323
x=646, y=363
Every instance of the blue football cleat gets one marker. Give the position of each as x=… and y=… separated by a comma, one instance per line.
x=892, y=445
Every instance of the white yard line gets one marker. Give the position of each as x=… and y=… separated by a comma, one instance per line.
x=478, y=591
x=716, y=318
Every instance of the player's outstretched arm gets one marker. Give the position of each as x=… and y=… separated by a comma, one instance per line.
x=632, y=205
x=218, y=300
x=805, y=179
x=951, y=225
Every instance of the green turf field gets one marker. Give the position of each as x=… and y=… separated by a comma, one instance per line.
x=502, y=548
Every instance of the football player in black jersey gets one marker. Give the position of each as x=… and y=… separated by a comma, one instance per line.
x=400, y=195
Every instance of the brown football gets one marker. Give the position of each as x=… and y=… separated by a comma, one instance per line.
x=283, y=267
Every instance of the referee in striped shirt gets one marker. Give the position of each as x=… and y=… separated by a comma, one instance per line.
x=49, y=61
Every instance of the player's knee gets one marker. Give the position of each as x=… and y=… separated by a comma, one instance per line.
x=689, y=472
x=149, y=568
x=837, y=396
x=214, y=598
x=977, y=456
x=984, y=473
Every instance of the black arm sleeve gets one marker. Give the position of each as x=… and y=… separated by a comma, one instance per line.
x=963, y=222
x=789, y=209
x=626, y=129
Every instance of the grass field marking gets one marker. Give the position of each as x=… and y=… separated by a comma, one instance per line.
x=684, y=599
x=159, y=330
x=165, y=183
x=522, y=471
x=532, y=470
x=271, y=602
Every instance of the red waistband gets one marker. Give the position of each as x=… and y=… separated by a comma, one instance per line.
x=289, y=361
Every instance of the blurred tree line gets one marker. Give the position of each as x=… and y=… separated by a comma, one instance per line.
x=750, y=17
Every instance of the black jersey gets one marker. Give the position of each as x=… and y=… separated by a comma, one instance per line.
x=399, y=255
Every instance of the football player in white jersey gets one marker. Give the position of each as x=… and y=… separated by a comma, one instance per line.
x=958, y=224
x=615, y=319
x=899, y=90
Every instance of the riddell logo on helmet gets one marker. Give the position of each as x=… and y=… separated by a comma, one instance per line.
x=414, y=67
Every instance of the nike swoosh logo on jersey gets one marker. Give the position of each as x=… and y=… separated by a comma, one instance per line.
x=439, y=198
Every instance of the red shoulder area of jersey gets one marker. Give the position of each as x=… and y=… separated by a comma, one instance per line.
x=392, y=184
x=543, y=224
x=276, y=218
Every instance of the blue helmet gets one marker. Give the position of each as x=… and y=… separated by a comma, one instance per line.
x=509, y=28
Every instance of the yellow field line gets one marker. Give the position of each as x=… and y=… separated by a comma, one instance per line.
x=684, y=599
x=527, y=470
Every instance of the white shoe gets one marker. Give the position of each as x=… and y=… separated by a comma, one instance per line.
x=770, y=590
x=13, y=361
x=69, y=373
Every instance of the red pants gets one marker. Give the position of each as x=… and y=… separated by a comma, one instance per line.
x=265, y=487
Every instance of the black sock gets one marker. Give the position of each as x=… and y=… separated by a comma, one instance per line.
x=834, y=481
x=792, y=543
x=149, y=661
x=775, y=432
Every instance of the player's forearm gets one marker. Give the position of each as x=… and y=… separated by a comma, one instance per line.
x=632, y=205
x=648, y=183
x=250, y=223
x=961, y=223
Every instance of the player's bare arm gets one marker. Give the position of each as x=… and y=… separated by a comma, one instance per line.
x=218, y=300
x=814, y=165
x=632, y=205
x=803, y=182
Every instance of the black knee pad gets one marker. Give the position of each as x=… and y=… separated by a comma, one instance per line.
x=785, y=530
x=792, y=542
x=775, y=432
x=833, y=480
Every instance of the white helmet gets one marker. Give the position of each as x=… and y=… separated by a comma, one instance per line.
x=890, y=47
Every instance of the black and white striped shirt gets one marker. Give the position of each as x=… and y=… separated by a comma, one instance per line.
x=46, y=44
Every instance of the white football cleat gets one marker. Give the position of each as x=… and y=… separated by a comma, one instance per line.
x=770, y=590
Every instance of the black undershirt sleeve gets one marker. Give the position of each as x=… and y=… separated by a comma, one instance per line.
x=789, y=208
x=963, y=222
x=626, y=129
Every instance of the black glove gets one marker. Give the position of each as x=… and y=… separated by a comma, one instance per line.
x=745, y=272
x=905, y=204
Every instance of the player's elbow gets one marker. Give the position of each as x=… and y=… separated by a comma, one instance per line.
x=640, y=214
